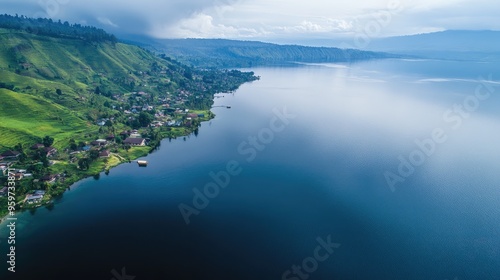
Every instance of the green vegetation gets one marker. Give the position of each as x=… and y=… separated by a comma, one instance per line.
x=47, y=27
x=66, y=92
x=217, y=53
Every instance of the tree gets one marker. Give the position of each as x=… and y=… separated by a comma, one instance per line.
x=47, y=141
x=59, y=91
x=94, y=154
x=97, y=90
x=145, y=119
x=72, y=144
x=84, y=163
x=23, y=157
x=36, y=169
x=19, y=147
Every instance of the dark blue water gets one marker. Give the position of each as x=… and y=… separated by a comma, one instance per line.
x=315, y=177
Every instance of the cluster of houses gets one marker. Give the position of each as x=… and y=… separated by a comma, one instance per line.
x=35, y=197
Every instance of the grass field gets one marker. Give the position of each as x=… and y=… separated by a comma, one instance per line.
x=24, y=118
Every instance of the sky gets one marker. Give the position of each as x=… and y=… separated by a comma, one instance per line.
x=268, y=20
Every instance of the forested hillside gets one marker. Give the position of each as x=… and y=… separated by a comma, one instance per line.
x=230, y=53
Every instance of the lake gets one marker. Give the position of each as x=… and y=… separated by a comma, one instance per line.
x=384, y=169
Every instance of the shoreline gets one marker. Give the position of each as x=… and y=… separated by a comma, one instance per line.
x=107, y=168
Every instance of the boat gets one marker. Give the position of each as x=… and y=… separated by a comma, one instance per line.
x=229, y=107
x=142, y=163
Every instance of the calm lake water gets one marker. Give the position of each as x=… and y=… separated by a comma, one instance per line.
x=326, y=174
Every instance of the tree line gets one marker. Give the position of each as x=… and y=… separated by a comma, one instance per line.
x=58, y=29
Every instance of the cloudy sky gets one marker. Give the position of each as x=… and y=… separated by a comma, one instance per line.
x=268, y=20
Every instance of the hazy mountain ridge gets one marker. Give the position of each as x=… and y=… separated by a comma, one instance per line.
x=235, y=53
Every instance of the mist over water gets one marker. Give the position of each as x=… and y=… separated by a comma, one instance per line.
x=321, y=176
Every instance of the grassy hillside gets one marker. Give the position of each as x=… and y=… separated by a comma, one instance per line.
x=26, y=118
x=71, y=60
x=33, y=68
x=61, y=86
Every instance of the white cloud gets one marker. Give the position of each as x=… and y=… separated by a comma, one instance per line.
x=106, y=21
x=267, y=18
x=201, y=25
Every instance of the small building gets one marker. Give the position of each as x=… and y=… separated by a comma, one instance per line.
x=135, y=141
x=104, y=154
x=37, y=146
x=99, y=142
x=49, y=179
x=50, y=151
x=3, y=191
x=33, y=198
x=86, y=148
x=125, y=133
x=11, y=154
x=110, y=137
x=18, y=176
x=39, y=192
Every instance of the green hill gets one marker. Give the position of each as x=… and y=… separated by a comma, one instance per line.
x=55, y=80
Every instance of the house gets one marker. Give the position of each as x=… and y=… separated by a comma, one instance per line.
x=39, y=192
x=135, y=135
x=86, y=148
x=18, y=176
x=135, y=141
x=37, y=146
x=4, y=191
x=110, y=137
x=99, y=142
x=11, y=154
x=34, y=198
x=104, y=154
x=50, y=151
x=48, y=179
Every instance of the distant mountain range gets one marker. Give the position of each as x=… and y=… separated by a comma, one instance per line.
x=451, y=40
x=454, y=44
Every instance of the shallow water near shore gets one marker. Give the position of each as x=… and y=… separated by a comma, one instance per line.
x=319, y=174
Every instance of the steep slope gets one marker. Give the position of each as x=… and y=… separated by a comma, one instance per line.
x=26, y=117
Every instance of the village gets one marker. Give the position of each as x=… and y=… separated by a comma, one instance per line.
x=46, y=168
